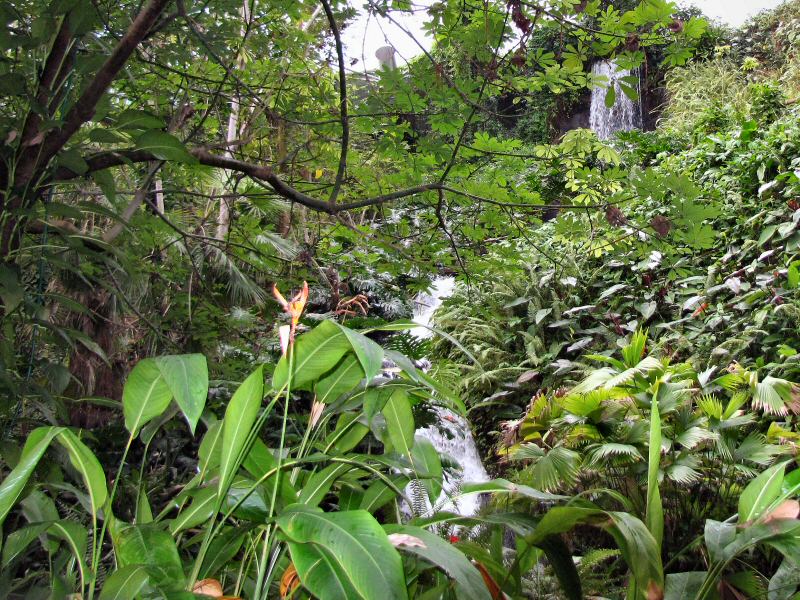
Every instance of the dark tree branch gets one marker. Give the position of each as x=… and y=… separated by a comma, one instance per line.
x=342, y=103
x=83, y=110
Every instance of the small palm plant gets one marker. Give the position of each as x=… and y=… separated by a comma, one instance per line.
x=598, y=435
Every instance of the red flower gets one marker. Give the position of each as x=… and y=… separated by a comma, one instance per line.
x=454, y=539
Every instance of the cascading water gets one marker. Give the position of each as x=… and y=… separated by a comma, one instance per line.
x=451, y=435
x=625, y=114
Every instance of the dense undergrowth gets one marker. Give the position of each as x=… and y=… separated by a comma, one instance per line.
x=703, y=253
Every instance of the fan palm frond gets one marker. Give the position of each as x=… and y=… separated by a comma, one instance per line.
x=598, y=453
x=554, y=469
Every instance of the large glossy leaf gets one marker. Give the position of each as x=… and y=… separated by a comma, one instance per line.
x=378, y=494
x=164, y=146
x=499, y=486
x=35, y=446
x=223, y=548
x=315, y=353
x=145, y=395
x=150, y=546
x=636, y=543
x=320, y=483
x=204, y=502
x=399, y=422
x=187, y=378
x=18, y=541
x=369, y=354
x=259, y=461
x=348, y=433
x=683, y=586
x=239, y=419
x=442, y=554
x=76, y=537
x=86, y=463
x=784, y=582
x=343, y=555
x=560, y=559
x=124, y=583
x=717, y=536
x=81, y=458
x=760, y=493
x=347, y=374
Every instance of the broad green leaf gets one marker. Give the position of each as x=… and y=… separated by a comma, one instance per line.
x=35, y=446
x=151, y=546
x=399, y=422
x=239, y=419
x=783, y=584
x=358, y=555
x=81, y=458
x=164, y=146
x=346, y=376
x=18, y=541
x=76, y=536
x=683, y=586
x=86, y=463
x=210, y=448
x=442, y=554
x=348, y=433
x=145, y=396
x=636, y=543
x=223, y=548
x=717, y=536
x=760, y=493
x=124, y=583
x=187, y=378
x=320, y=483
x=378, y=494
x=202, y=508
x=138, y=119
x=563, y=565
x=501, y=486
x=793, y=276
x=259, y=461
x=315, y=353
x=369, y=354
x=611, y=96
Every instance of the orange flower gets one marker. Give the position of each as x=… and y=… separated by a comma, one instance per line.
x=296, y=305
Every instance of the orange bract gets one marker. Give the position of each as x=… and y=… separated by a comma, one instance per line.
x=296, y=305
x=289, y=581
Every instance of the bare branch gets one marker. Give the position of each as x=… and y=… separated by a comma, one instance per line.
x=84, y=107
x=342, y=103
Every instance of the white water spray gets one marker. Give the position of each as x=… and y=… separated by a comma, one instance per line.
x=451, y=435
x=625, y=114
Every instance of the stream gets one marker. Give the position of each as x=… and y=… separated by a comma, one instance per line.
x=451, y=435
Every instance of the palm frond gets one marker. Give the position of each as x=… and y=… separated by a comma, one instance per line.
x=557, y=468
x=633, y=352
x=598, y=453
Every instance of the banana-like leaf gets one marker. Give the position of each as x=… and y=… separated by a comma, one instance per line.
x=239, y=419
x=433, y=549
x=344, y=555
x=314, y=354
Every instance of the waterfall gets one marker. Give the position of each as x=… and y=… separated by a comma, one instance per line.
x=626, y=114
x=451, y=435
